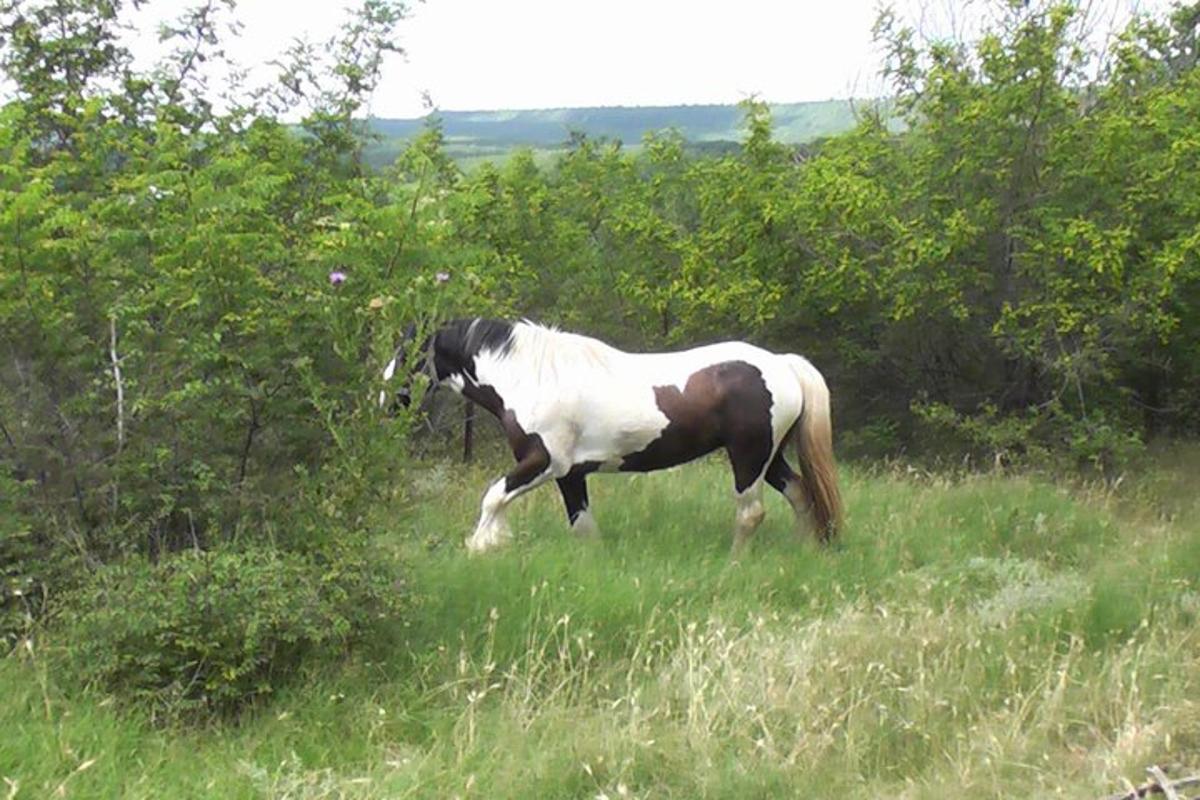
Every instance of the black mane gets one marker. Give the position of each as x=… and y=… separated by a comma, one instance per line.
x=457, y=343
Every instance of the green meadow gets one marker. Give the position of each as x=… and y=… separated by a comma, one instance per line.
x=971, y=635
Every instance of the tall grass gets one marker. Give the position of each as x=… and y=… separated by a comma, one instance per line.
x=979, y=636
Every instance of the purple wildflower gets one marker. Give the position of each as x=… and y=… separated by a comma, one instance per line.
x=337, y=277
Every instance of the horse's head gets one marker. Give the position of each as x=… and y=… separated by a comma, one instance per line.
x=445, y=358
x=403, y=372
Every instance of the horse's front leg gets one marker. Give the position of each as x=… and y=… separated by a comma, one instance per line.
x=532, y=470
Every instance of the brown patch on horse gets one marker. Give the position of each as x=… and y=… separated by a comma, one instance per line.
x=726, y=404
x=487, y=397
x=528, y=448
x=532, y=460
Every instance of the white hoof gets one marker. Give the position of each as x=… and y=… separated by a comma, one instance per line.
x=487, y=537
x=585, y=526
x=475, y=547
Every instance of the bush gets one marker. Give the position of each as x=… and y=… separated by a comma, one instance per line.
x=207, y=633
x=1095, y=441
x=23, y=570
x=16, y=581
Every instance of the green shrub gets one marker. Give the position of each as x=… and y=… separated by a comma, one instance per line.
x=206, y=633
x=17, y=583
x=1043, y=436
x=21, y=570
x=878, y=437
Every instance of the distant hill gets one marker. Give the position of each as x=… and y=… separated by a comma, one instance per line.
x=477, y=135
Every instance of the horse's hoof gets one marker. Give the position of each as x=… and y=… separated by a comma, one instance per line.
x=476, y=546
x=585, y=527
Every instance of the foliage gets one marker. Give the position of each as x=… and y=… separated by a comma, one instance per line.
x=210, y=631
x=1038, y=249
x=177, y=355
x=20, y=594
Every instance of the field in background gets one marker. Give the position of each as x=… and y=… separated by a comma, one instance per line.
x=983, y=636
x=473, y=137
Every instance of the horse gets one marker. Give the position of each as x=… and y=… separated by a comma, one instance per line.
x=571, y=405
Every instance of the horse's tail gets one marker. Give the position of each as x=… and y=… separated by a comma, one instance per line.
x=814, y=450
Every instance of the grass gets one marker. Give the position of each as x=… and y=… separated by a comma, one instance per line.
x=983, y=636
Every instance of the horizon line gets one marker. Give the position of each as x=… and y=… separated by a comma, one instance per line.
x=620, y=106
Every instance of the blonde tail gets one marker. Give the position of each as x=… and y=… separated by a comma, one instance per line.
x=814, y=450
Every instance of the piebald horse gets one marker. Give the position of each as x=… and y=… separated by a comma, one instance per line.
x=571, y=405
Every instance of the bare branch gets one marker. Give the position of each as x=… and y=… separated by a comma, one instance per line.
x=120, y=384
x=1160, y=785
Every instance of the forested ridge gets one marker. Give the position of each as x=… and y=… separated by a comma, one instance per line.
x=196, y=298
x=475, y=136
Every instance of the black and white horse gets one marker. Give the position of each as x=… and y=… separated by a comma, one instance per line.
x=571, y=405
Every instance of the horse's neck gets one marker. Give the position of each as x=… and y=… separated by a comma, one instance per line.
x=551, y=362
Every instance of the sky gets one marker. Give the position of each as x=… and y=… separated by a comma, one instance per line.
x=521, y=54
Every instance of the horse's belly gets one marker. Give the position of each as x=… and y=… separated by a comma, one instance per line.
x=665, y=452
x=612, y=445
x=645, y=438
x=613, y=426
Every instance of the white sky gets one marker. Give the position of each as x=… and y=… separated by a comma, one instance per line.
x=547, y=53
x=516, y=54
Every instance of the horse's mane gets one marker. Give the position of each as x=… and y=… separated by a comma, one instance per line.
x=550, y=355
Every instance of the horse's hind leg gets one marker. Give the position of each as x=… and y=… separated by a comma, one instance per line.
x=573, y=486
x=748, y=456
x=750, y=515
x=783, y=478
